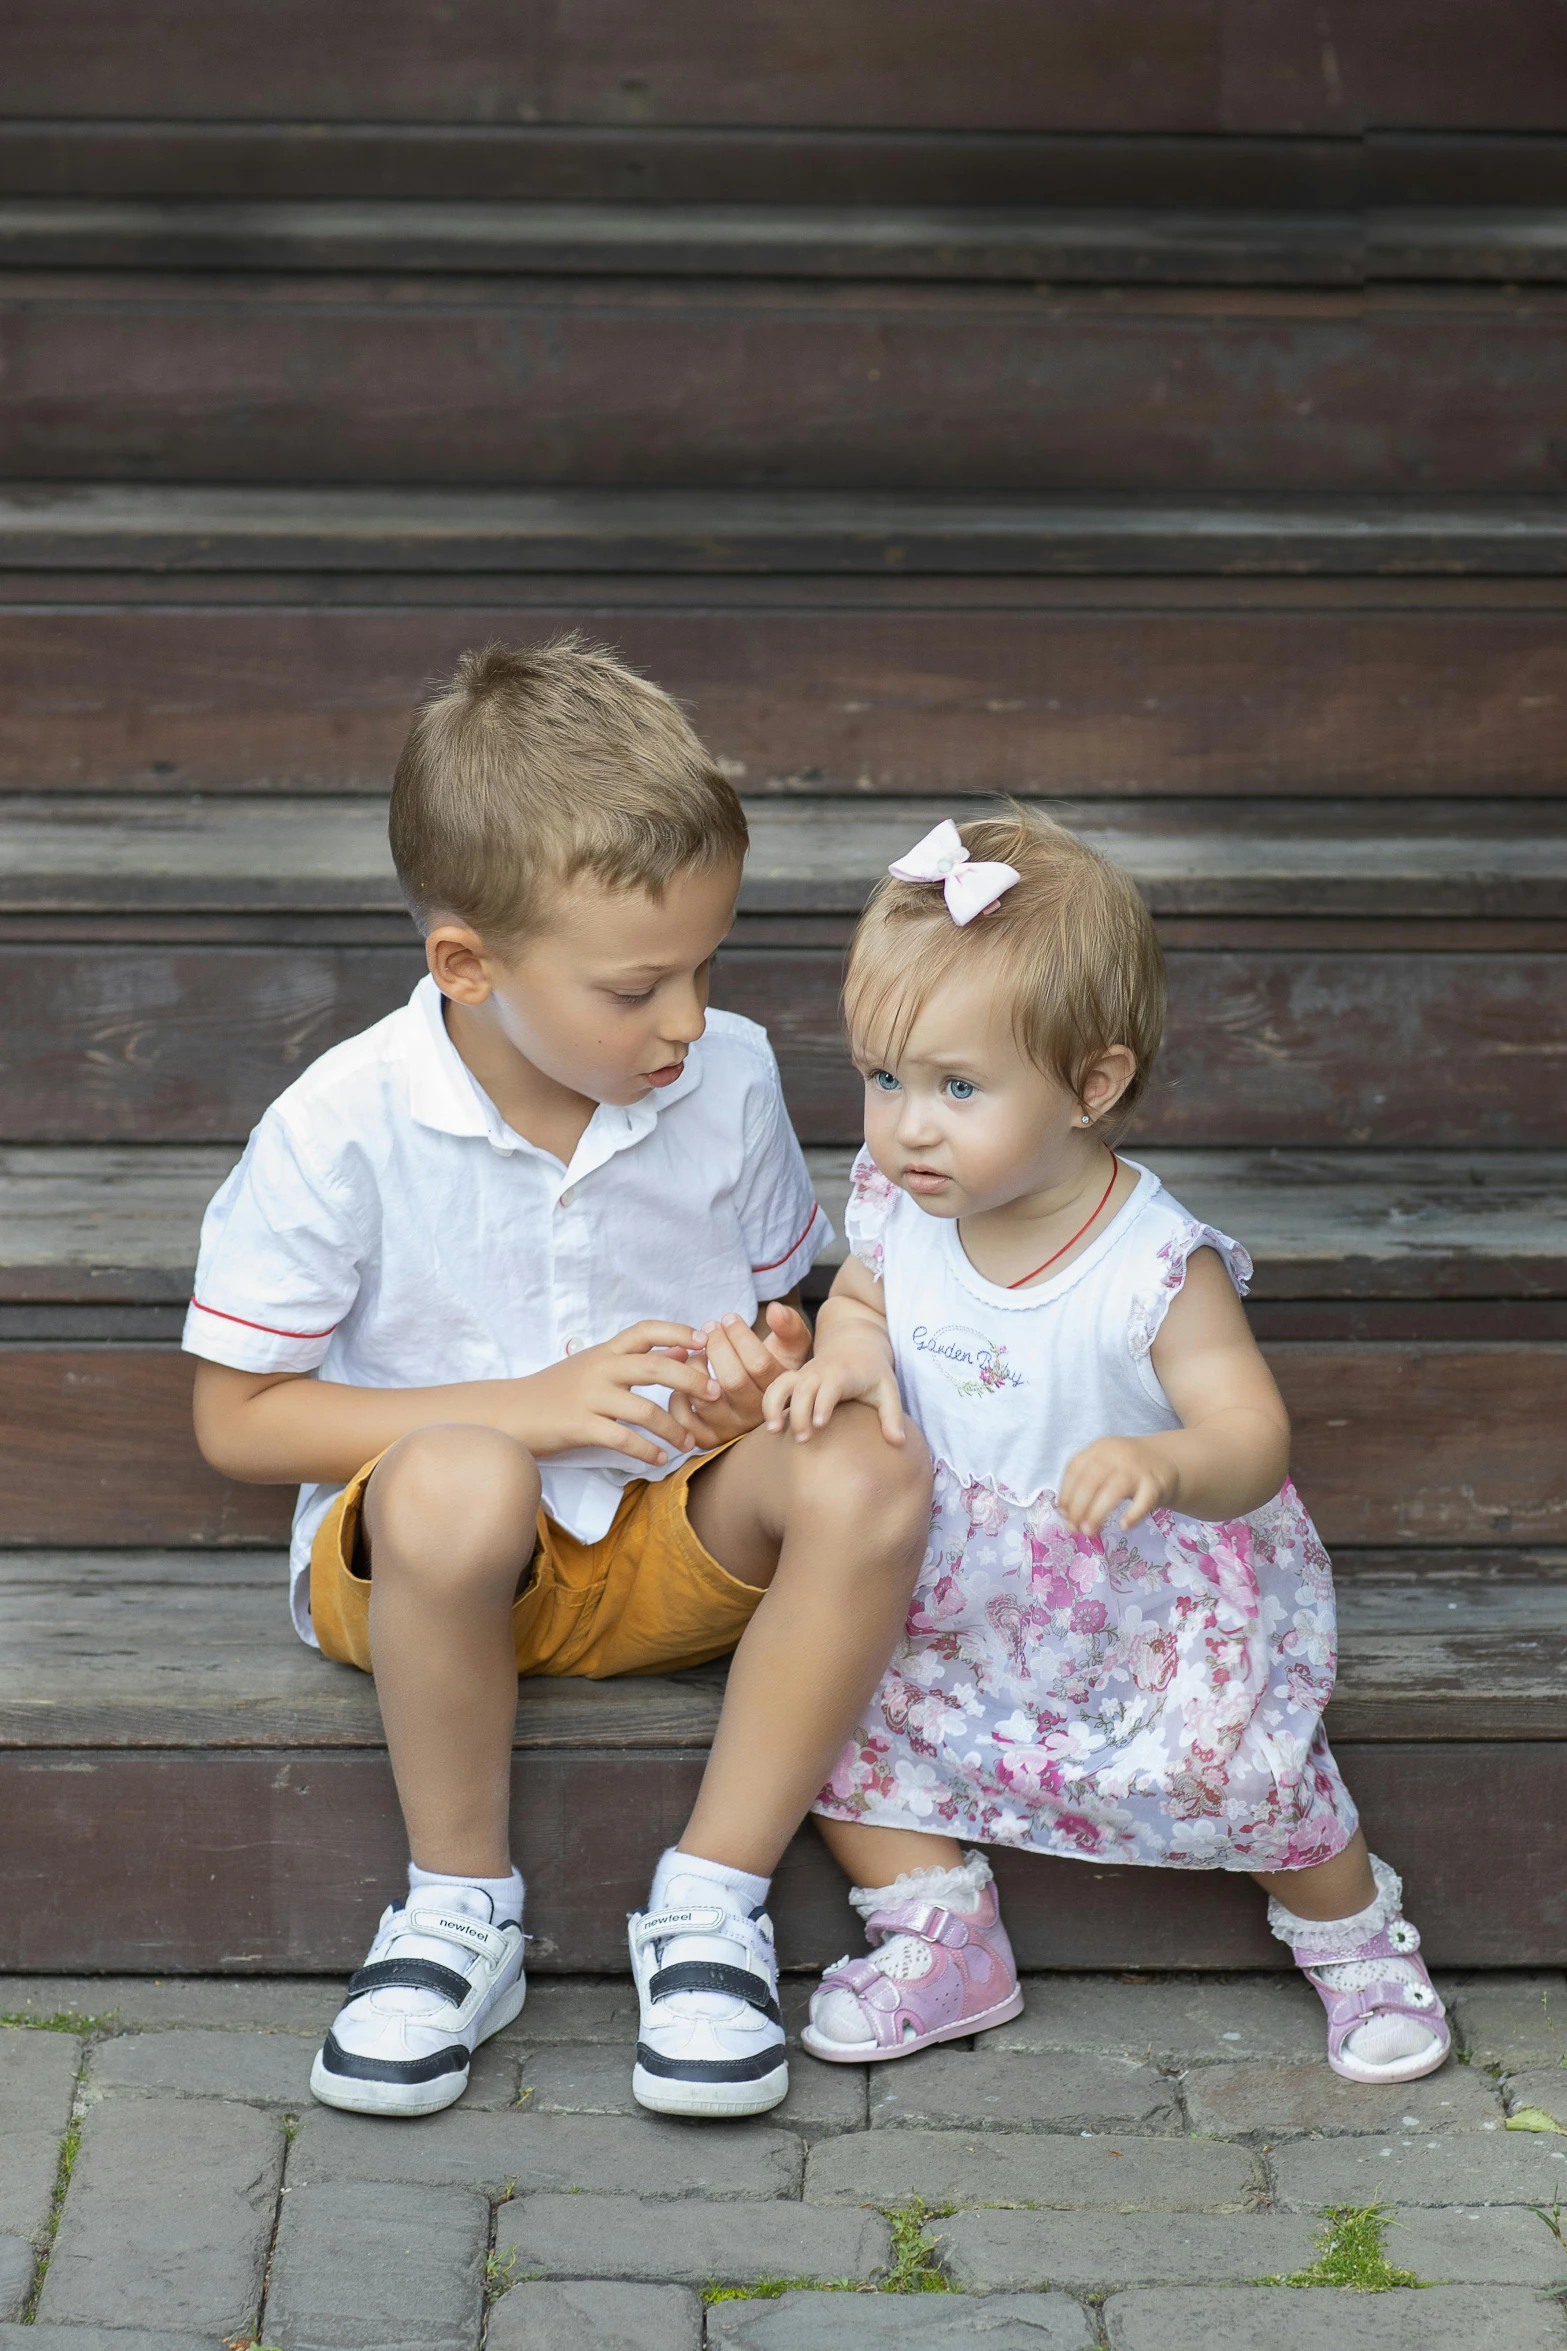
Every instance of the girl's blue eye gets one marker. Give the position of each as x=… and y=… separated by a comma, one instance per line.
x=961, y=1089
x=884, y=1081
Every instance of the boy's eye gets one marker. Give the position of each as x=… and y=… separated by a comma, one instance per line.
x=646, y=997
x=884, y=1081
x=961, y=1089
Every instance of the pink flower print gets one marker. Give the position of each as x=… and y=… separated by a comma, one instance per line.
x=1227, y=1561
x=1152, y=1657
x=987, y=1512
x=1089, y=1616
x=869, y=1185
x=1013, y=1619
x=1085, y=1834
x=992, y=1368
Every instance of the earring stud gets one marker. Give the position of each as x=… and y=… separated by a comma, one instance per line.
x=1086, y=1120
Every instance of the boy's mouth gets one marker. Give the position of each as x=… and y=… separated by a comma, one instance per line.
x=664, y=1076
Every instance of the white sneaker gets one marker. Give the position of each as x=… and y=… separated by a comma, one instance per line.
x=439, y=1979
x=711, y=2040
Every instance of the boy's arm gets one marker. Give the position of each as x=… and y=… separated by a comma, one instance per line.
x=1231, y=1452
x=286, y=1427
x=853, y=1359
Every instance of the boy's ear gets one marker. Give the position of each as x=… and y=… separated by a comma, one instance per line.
x=458, y=963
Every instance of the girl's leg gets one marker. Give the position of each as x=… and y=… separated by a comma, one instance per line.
x=874, y=1857
x=1332, y=1889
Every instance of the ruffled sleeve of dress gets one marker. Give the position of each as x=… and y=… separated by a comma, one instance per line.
x=1166, y=1272
x=872, y=1200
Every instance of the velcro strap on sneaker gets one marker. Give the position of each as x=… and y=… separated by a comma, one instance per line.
x=656, y=1926
x=492, y=1944
x=710, y=1975
x=410, y=1975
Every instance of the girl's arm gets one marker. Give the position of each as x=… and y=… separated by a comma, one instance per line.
x=853, y=1360
x=1231, y=1452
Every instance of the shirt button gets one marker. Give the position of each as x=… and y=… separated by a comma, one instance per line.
x=575, y=1345
x=568, y=1196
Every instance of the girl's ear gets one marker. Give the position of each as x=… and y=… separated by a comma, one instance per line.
x=1108, y=1080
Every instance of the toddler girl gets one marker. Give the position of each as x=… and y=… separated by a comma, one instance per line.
x=1122, y=1638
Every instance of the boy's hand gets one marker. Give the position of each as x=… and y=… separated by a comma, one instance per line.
x=1111, y=1471
x=589, y=1399
x=743, y=1364
x=806, y=1399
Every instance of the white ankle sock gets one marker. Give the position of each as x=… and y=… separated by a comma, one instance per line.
x=1381, y=2040
x=837, y=2014
x=506, y=1894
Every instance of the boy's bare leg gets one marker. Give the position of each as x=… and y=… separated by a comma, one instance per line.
x=450, y=1521
x=835, y=1531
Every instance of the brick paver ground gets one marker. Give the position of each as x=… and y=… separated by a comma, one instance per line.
x=1132, y=2165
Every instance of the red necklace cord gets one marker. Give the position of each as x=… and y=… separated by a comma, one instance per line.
x=1115, y=1169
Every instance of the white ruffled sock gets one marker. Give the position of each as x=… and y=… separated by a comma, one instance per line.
x=837, y=2015
x=1381, y=2040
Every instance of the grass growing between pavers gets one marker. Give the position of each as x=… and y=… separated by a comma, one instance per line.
x=916, y=2263
x=1553, y=2219
x=1352, y=2253
x=64, y=2020
x=70, y=2147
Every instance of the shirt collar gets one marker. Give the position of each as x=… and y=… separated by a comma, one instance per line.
x=444, y=1094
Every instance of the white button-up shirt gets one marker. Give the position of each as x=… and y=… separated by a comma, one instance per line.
x=387, y=1229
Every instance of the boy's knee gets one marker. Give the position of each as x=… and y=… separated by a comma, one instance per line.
x=457, y=1498
x=862, y=1478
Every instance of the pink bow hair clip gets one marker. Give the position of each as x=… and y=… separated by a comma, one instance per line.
x=970, y=889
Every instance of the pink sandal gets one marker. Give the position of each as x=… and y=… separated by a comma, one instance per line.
x=1373, y=1984
x=936, y=1976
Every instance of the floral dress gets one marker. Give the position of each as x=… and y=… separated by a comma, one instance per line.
x=1148, y=1697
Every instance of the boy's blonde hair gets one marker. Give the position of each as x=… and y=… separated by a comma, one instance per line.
x=538, y=763
x=1071, y=947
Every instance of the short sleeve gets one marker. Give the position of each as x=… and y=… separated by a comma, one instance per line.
x=872, y=1198
x=279, y=1265
x=783, y=1224
x=1153, y=1301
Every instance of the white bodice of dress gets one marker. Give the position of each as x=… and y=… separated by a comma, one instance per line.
x=1008, y=1384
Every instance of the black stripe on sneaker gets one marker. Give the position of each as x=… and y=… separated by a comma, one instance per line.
x=337, y=2059
x=710, y=1975
x=712, y=2069
x=410, y=1975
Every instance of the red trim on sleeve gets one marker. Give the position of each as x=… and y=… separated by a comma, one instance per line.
x=789, y=1252
x=271, y=1329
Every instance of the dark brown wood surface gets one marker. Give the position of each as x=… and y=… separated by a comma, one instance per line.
x=1144, y=65
x=186, y=1650
x=1394, y=1443
x=480, y=381
x=146, y=1863
x=1294, y=1049
x=1243, y=697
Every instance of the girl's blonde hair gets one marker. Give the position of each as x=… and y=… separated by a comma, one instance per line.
x=1071, y=947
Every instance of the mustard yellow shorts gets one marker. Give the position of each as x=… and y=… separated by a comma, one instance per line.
x=645, y=1598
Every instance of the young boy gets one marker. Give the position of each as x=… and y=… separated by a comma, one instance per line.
x=502, y=1282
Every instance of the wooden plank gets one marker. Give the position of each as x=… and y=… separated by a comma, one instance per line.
x=1240, y=699
x=1063, y=244
x=1123, y=246
x=463, y=380
x=106, y=1226
x=1131, y=65
x=168, y=1650
x=173, y=529
x=81, y=855
x=237, y=1863
x=1394, y=1443
x=1295, y=1050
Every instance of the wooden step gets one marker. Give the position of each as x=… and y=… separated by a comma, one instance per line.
x=1054, y=244
x=1295, y=1048
x=784, y=385
x=161, y=1727
x=190, y=532
x=1126, y=66
x=815, y=685
x=161, y=856
x=115, y=1227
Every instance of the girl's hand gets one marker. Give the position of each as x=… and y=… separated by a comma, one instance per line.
x=1112, y=1471
x=805, y=1400
x=742, y=1363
